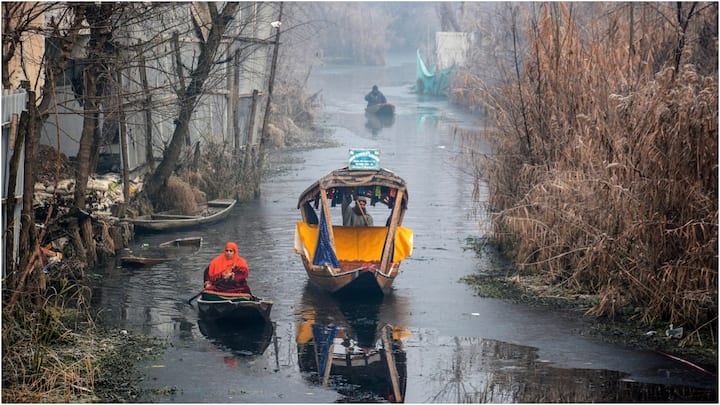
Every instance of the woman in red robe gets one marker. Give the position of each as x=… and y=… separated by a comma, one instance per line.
x=228, y=272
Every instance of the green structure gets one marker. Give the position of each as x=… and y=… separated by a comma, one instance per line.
x=431, y=81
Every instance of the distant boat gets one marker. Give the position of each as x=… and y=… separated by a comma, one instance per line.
x=381, y=109
x=171, y=221
x=358, y=259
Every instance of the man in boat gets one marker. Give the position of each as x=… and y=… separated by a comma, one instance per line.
x=356, y=216
x=375, y=97
x=227, y=272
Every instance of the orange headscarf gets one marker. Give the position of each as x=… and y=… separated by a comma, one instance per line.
x=221, y=263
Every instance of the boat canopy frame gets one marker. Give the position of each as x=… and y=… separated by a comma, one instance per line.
x=345, y=178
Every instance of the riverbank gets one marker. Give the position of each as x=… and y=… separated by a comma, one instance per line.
x=697, y=348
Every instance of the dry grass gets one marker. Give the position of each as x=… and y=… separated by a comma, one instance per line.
x=604, y=173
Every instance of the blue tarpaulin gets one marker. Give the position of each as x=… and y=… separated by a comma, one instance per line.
x=324, y=253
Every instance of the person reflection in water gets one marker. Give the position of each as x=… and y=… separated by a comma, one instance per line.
x=355, y=216
x=227, y=272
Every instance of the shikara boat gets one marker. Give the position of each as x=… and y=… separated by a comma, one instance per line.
x=342, y=259
x=171, y=221
x=240, y=308
x=381, y=109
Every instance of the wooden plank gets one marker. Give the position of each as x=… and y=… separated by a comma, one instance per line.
x=385, y=258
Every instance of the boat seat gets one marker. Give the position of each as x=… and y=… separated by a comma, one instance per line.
x=355, y=243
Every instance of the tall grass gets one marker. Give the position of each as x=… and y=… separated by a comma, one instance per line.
x=35, y=366
x=604, y=170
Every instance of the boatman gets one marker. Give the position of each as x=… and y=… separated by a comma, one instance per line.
x=355, y=216
x=375, y=97
x=227, y=272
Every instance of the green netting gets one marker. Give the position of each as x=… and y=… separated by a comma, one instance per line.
x=429, y=81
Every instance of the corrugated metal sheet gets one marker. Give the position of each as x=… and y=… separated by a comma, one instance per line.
x=13, y=102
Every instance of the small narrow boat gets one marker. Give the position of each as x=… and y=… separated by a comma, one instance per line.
x=381, y=109
x=190, y=242
x=353, y=260
x=171, y=221
x=170, y=250
x=237, y=307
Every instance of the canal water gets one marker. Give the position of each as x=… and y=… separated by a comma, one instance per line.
x=451, y=346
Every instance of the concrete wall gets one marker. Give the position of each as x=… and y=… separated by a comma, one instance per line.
x=452, y=48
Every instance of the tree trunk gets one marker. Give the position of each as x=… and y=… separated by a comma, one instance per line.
x=156, y=183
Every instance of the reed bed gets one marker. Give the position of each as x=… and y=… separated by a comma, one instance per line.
x=603, y=175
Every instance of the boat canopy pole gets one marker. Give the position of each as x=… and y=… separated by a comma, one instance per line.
x=390, y=238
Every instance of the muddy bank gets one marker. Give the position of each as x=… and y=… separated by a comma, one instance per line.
x=506, y=283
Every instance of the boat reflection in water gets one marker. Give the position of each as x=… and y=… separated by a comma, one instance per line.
x=246, y=340
x=376, y=122
x=364, y=362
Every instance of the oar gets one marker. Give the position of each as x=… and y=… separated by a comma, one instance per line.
x=194, y=297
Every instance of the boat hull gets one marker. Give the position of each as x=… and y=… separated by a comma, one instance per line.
x=216, y=210
x=216, y=307
x=360, y=278
x=381, y=109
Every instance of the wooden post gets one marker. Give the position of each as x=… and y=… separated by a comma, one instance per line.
x=234, y=96
x=147, y=108
x=385, y=258
x=251, y=131
x=271, y=82
x=123, y=148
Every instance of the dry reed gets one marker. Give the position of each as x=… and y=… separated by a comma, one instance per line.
x=604, y=169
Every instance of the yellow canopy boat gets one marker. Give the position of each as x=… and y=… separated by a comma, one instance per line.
x=353, y=259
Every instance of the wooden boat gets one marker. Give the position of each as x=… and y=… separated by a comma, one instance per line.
x=169, y=250
x=139, y=261
x=240, y=308
x=190, y=242
x=381, y=109
x=171, y=221
x=353, y=259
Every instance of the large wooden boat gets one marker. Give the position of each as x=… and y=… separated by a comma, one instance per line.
x=237, y=307
x=171, y=221
x=381, y=109
x=343, y=259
